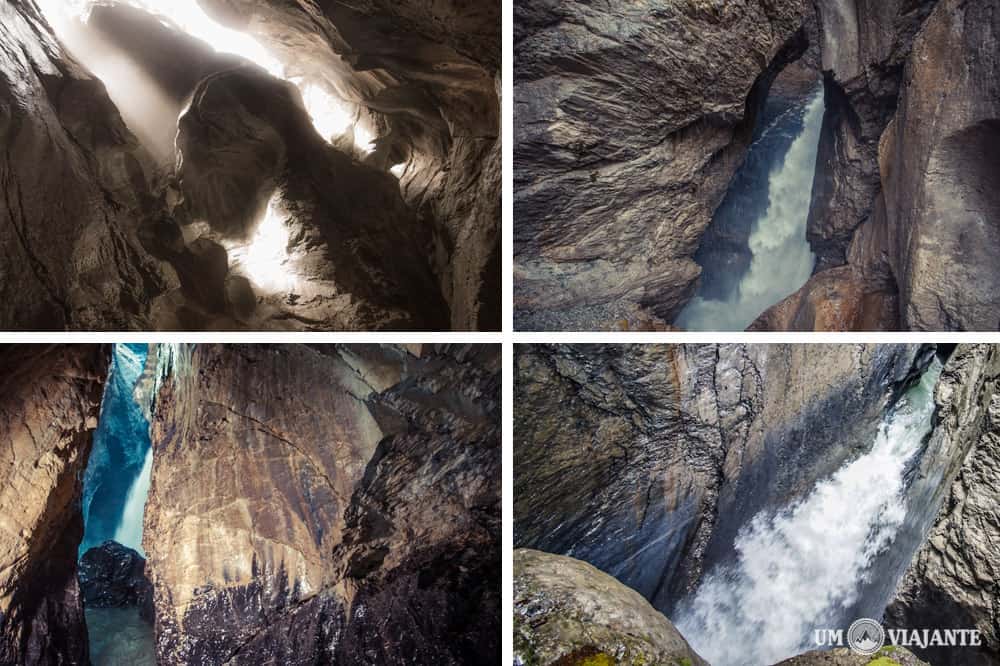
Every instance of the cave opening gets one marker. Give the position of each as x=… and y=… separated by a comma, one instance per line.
x=755, y=251
x=279, y=166
x=114, y=588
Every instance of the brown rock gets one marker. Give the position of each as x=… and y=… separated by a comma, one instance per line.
x=328, y=503
x=50, y=397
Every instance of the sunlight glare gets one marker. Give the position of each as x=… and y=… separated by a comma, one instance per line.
x=264, y=259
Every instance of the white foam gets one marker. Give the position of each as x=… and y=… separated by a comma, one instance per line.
x=795, y=571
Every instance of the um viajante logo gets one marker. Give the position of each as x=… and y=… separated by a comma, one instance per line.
x=866, y=636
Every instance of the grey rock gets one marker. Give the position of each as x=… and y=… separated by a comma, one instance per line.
x=568, y=612
x=630, y=120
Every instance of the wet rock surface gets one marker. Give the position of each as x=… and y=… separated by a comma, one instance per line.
x=567, y=612
x=114, y=576
x=50, y=397
x=629, y=123
x=345, y=499
x=951, y=582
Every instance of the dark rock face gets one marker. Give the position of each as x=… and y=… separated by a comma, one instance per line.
x=952, y=580
x=904, y=199
x=630, y=121
x=345, y=500
x=568, y=612
x=113, y=576
x=73, y=182
x=889, y=656
x=49, y=401
x=645, y=460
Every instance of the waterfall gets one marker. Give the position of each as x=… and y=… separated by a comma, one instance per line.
x=802, y=568
x=781, y=258
x=129, y=531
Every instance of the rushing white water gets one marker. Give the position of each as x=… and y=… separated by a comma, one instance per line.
x=801, y=569
x=129, y=532
x=781, y=258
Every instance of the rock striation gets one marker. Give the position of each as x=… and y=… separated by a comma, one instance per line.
x=630, y=121
x=952, y=581
x=344, y=503
x=50, y=397
x=568, y=612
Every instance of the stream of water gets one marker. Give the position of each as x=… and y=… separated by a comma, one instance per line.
x=781, y=260
x=804, y=567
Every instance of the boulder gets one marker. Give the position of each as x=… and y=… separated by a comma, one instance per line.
x=114, y=576
x=567, y=612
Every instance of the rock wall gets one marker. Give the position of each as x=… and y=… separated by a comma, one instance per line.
x=73, y=182
x=50, y=397
x=901, y=214
x=630, y=121
x=644, y=460
x=326, y=503
x=952, y=580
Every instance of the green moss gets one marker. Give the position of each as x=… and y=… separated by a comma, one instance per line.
x=684, y=661
x=883, y=661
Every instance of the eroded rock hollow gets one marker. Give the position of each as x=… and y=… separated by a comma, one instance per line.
x=308, y=504
x=246, y=165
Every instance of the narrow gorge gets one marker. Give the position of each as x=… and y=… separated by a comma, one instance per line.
x=247, y=504
x=721, y=504
x=246, y=165
x=673, y=169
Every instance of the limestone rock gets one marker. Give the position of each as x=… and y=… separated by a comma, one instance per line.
x=50, y=397
x=630, y=120
x=952, y=581
x=73, y=182
x=568, y=612
x=355, y=255
x=429, y=75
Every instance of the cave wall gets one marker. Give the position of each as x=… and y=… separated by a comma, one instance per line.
x=644, y=460
x=50, y=397
x=903, y=203
x=336, y=503
x=73, y=182
x=630, y=121
x=428, y=75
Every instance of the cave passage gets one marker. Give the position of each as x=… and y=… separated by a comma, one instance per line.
x=823, y=561
x=115, y=487
x=755, y=252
